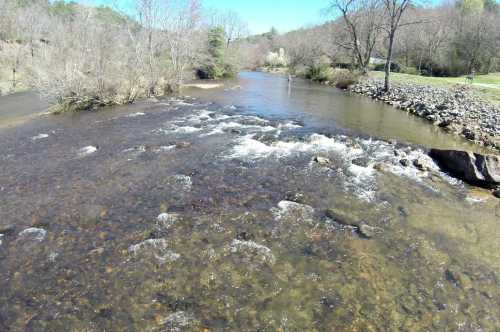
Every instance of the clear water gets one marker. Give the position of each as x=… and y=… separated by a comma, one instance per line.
x=187, y=215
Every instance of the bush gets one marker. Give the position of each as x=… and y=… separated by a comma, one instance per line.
x=409, y=70
x=344, y=78
x=321, y=73
x=395, y=68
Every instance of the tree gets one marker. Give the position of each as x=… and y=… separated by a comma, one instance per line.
x=393, y=12
x=362, y=22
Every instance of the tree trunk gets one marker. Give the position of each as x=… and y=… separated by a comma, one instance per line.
x=388, y=62
x=14, y=82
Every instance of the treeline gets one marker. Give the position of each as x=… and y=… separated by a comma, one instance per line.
x=81, y=56
x=448, y=39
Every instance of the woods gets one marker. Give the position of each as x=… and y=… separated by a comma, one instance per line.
x=71, y=53
x=446, y=39
x=80, y=56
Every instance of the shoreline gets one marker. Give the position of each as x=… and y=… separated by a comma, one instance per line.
x=455, y=110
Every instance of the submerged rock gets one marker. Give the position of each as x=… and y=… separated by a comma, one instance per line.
x=294, y=212
x=178, y=322
x=158, y=248
x=7, y=229
x=474, y=168
x=295, y=197
x=421, y=164
x=342, y=217
x=368, y=231
x=166, y=220
x=322, y=160
x=404, y=162
x=33, y=233
x=252, y=249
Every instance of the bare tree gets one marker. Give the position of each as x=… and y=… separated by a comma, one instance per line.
x=393, y=12
x=362, y=22
x=233, y=25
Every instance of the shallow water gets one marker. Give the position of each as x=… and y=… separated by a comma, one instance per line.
x=183, y=215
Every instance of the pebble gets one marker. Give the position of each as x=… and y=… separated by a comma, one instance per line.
x=457, y=110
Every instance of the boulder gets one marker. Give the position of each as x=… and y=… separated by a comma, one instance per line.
x=474, y=168
x=322, y=160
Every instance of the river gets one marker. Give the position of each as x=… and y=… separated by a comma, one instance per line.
x=208, y=212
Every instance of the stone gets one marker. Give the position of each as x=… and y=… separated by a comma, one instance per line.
x=252, y=250
x=368, y=231
x=342, y=217
x=33, y=233
x=404, y=162
x=473, y=168
x=322, y=160
x=7, y=229
x=363, y=162
x=157, y=248
x=496, y=193
x=469, y=134
x=167, y=220
x=295, y=197
x=420, y=164
x=182, y=145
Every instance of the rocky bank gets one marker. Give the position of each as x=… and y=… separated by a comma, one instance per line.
x=456, y=110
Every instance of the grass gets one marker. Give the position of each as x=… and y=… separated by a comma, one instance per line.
x=486, y=86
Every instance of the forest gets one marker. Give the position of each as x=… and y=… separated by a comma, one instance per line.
x=80, y=55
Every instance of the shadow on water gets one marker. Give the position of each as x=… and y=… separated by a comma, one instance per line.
x=185, y=215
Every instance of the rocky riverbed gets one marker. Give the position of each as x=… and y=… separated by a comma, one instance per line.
x=455, y=110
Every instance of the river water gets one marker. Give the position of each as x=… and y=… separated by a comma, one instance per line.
x=210, y=214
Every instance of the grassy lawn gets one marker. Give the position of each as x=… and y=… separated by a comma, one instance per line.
x=486, y=86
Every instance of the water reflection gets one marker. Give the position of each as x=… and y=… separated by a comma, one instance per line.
x=322, y=106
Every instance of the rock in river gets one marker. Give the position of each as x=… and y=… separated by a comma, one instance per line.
x=322, y=160
x=342, y=218
x=368, y=231
x=474, y=168
x=33, y=233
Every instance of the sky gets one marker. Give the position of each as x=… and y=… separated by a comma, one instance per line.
x=259, y=15
x=284, y=15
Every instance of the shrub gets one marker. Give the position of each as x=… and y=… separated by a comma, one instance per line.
x=409, y=70
x=345, y=78
x=395, y=68
x=321, y=73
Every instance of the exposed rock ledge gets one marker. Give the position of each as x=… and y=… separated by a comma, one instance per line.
x=455, y=110
x=473, y=168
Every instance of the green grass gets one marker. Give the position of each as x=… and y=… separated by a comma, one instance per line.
x=486, y=86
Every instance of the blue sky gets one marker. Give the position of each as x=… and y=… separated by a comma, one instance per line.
x=284, y=15
x=260, y=15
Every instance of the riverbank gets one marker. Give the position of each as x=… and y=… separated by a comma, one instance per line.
x=486, y=87
x=455, y=109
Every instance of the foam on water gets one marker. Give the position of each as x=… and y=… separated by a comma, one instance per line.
x=250, y=148
x=87, y=150
x=39, y=136
x=134, y=115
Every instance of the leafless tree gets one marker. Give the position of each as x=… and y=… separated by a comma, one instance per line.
x=393, y=12
x=362, y=20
